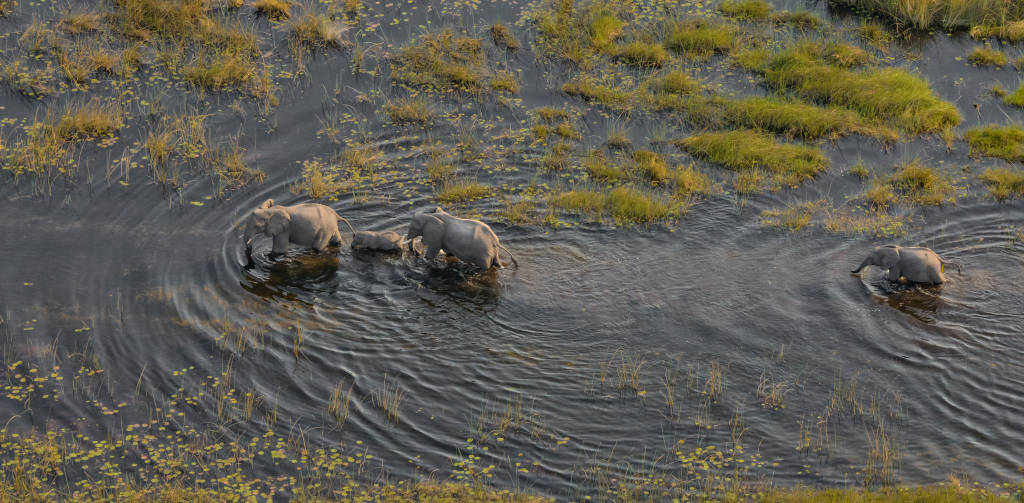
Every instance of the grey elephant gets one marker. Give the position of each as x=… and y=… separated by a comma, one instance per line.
x=379, y=241
x=916, y=264
x=470, y=241
x=308, y=224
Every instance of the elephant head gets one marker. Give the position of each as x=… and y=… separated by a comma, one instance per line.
x=267, y=220
x=430, y=227
x=885, y=257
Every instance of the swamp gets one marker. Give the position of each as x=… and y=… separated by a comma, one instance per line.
x=685, y=186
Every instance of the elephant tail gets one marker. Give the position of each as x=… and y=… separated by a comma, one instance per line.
x=513, y=257
x=342, y=219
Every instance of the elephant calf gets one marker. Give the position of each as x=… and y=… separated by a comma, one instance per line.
x=919, y=265
x=468, y=240
x=309, y=224
x=380, y=241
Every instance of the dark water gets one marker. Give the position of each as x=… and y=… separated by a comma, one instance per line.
x=161, y=287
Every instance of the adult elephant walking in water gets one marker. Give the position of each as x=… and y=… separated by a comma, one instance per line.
x=308, y=224
x=470, y=241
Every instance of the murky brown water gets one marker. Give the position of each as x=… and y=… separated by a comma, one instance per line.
x=162, y=287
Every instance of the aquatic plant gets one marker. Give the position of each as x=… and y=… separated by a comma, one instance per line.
x=1003, y=183
x=274, y=9
x=986, y=56
x=505, y=81
x=502, y=36
x=699, y=38
x=922, y=14
x=442, y=60
x=748, y=150
x=756, y=10
x=793, y=217
x=415, y=110
x=590, y=89
x=462, y=191
x=80, y=22
x=1005, y=142
x=892, y=95
x=640, y=54
x=922, y=185
x=1015, y=98
x=1012, y=31
x=90, y=119
x=317, y=31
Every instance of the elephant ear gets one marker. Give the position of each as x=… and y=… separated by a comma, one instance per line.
x=279, y=221
x=888, y=257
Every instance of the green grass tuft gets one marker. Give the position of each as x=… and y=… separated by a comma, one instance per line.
x=892, y=95
x=922, y=185
x=749, y=150
x=1015, y=98
x=640, y=54
x=1012, y=31
x=441, y=60
x=462, y=191
x=89, y=120
x=409, y=110
x=699, y=38
x=756, y=10
x=1006, y=142
x=986, y=56
x=1004, y=183
x=502, y=36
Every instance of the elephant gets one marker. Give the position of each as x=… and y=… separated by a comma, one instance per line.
x=380, y=241
x=308, y=224
x=916, y=264
x=470, y=241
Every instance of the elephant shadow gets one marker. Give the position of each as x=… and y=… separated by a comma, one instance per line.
x=293, y=276
x=921, y=302
x=461, y=282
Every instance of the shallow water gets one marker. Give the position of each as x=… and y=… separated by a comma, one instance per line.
x=161, y=287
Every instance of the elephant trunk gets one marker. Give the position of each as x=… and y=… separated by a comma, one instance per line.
x=862, y=265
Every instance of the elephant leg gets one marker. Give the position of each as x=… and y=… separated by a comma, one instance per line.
x=322, y=242
x=280, y=244
x=484, y=262
x=895, y=273
x=432, y=252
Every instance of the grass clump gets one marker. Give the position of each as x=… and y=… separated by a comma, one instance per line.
x=677, y=82
x=689, y=180
x=589, y=202
x=319, y=181
x=222, y=70
x=640, y=54
x=502, y=36
x=793, y=217
x=875, y=35
x=793, y=118
x=567, y=130
x=700, y=38
x=801, y=19
x=89, y=120
x=1004, y=183
x=409, y=110
x=922, y=185
x=749, y=150
x=274, y=9
x=650, y=165
x=600, y=169
x=1011, y=32
x=505, y=81
x=462, y=191
x=892, y=95
x=551, y=114
x=1006, y=142
x=557, y=157
x=1015, y=98
x=756, y=10
x=441, y=60
x=873, y=221
x=577, y=32
x=590, y=89
x=846, y=55
x=880, y=195
x=80, y=22
x=317, y=31
x=986, y=56
x=923, y=14
x=629, y=205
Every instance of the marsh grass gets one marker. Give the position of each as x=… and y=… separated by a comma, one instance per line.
x=340, y=403
x=923, y=14
x=42, y=155
x=676, y=82
x=700, y=38
x=755, y=10
x=577, y=32
x=442, y=60
x=89, y=120
x=319, y=181
x=274, y=9
x=25, y=80
x=1004, y=183
x=591, y=89
x=460, y=191
x=642, y=54
x=505, y=81
x=875, y=35
x=502, y=36
x=650, y=166
x=601, y=169
x=793, y=217
x=80, y=22
x=857, y=221
x=551, y=114
x=892, y=95
x=219, y=70
x=318, y=31
x=388, y=398
x=409, y=110
x=689, y=180
x=1004, y=142
x=1015, y=98
x=922, y=185
x=747, y=150
x=986, y=56
x=1012, y=31
x=557, y=157
x=846, y=55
